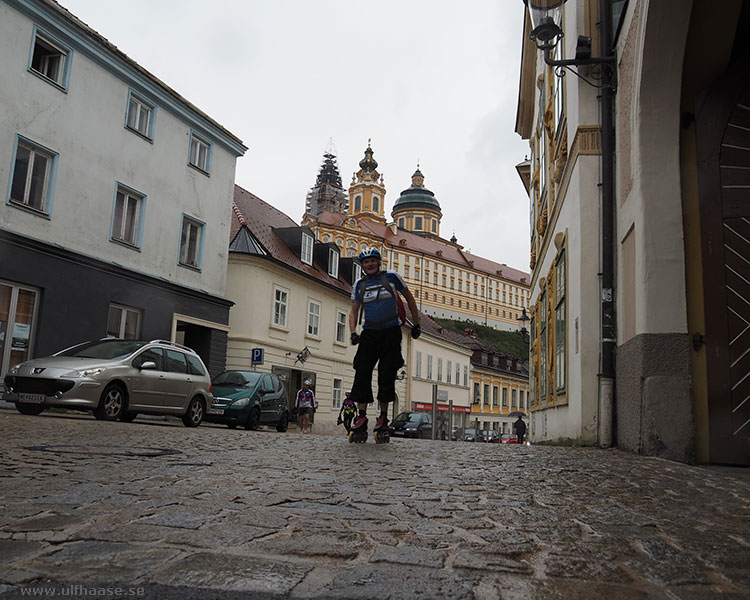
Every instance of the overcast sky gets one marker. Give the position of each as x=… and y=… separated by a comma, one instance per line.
x=430, y=81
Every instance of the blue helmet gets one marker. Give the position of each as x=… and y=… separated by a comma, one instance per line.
x=369, y=253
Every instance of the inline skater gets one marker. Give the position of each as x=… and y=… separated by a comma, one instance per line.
x=347, y=412
x=376, y=295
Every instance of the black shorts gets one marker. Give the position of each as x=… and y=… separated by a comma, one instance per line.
x=304, y=410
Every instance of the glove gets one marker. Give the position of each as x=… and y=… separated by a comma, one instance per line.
x=355, y=338
x=416, y=331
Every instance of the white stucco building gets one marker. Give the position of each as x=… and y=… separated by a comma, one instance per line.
x=118, y=195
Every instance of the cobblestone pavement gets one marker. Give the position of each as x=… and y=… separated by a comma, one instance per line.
x=162, y=511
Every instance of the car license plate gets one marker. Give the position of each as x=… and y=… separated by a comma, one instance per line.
x=32, y=398
x=215, y=411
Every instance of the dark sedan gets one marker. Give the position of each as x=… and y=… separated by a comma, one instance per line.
x=412, y=425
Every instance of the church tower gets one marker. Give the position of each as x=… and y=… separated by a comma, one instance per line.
x=417, y=209
x=367, y=190
x=328, y=193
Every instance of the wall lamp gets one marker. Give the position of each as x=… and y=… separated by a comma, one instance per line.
x=546, y=21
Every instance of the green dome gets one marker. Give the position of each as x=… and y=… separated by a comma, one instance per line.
x=417, y=196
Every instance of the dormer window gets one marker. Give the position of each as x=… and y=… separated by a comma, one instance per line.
x=307, y=249
x=333, y=263
x=356, y=271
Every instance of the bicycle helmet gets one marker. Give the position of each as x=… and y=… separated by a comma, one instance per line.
x=369, y=253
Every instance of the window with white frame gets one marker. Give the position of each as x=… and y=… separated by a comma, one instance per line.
x=356, y=271
x=486, y=394
x=505, y=397
x=280, y=305
x=126, y=221
x=200, y=153
x=429, y=366
x=418, y=366
x=458, y=374
x=50, y=59
x=375, y=203
x=33, y=175
x=448, y=370
x=494, y=395
x=313, y=318
x=338, y=386
x=513, y=395
x=477, y=393
x=191, y=242
x=123, y=322
x=140, y=116
x=440, y=369
x=466, y=376
x=333, y=263
x=418, y=223
x=341, y=318
x=306, y=254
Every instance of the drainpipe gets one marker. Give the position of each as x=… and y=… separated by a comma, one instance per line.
x=608, y=321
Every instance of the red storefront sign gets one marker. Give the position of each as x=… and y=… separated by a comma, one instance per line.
x=441, y=407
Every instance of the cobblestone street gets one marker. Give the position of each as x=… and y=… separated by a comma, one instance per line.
x=170, y=512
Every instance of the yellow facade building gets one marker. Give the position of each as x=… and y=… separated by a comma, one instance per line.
x=447, y=281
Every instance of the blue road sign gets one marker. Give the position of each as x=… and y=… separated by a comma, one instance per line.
x=256, y=356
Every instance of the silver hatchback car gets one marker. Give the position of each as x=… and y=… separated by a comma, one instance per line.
x=116, y=379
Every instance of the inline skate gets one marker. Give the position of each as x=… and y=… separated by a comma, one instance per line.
x=358, y=433
x=381, y=433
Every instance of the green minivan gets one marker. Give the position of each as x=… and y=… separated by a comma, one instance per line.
x=250, y=399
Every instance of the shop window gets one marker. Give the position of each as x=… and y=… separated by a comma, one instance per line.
x=18, y=306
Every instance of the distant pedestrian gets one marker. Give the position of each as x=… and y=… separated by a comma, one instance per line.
x=305, y=405
x=347, y=412
x=520, y=428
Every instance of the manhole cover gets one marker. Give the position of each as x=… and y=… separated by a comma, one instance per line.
x=93, y=450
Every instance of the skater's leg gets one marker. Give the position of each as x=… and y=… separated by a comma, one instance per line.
x=364, y=364
x=390, y=362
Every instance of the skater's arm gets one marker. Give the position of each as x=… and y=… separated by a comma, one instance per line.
x=412, y=304
x=353, y=316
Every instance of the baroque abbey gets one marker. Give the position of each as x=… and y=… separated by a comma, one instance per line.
x=447, y=281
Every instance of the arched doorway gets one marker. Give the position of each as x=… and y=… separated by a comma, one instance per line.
x=723, y=156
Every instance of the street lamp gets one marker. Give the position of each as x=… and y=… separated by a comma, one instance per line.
x=546, y=23
x=524, y=318
x=546, y=32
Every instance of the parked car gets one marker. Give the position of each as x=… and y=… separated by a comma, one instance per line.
x=508, y=438
x=412, y=425
x=490, y=436
x=249, y=398
x=469, y=434
x=116, y=379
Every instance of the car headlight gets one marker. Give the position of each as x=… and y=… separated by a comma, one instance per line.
x=241, y=403
x=88, y=372
x=14, y=370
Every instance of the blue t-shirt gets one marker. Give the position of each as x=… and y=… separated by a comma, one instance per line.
x=380, y=306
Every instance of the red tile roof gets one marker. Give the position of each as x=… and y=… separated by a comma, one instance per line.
x=260, y=219
x=436, y=248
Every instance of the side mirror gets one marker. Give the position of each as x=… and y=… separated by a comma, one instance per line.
x=149, y=364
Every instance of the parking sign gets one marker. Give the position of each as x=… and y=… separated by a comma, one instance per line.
x=256, y=356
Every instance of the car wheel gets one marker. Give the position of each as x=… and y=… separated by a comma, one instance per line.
x=283, y=423
x=128, y=417
x=194, y=414
x=253, y=419
x=111, y=404
x=29, y=409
